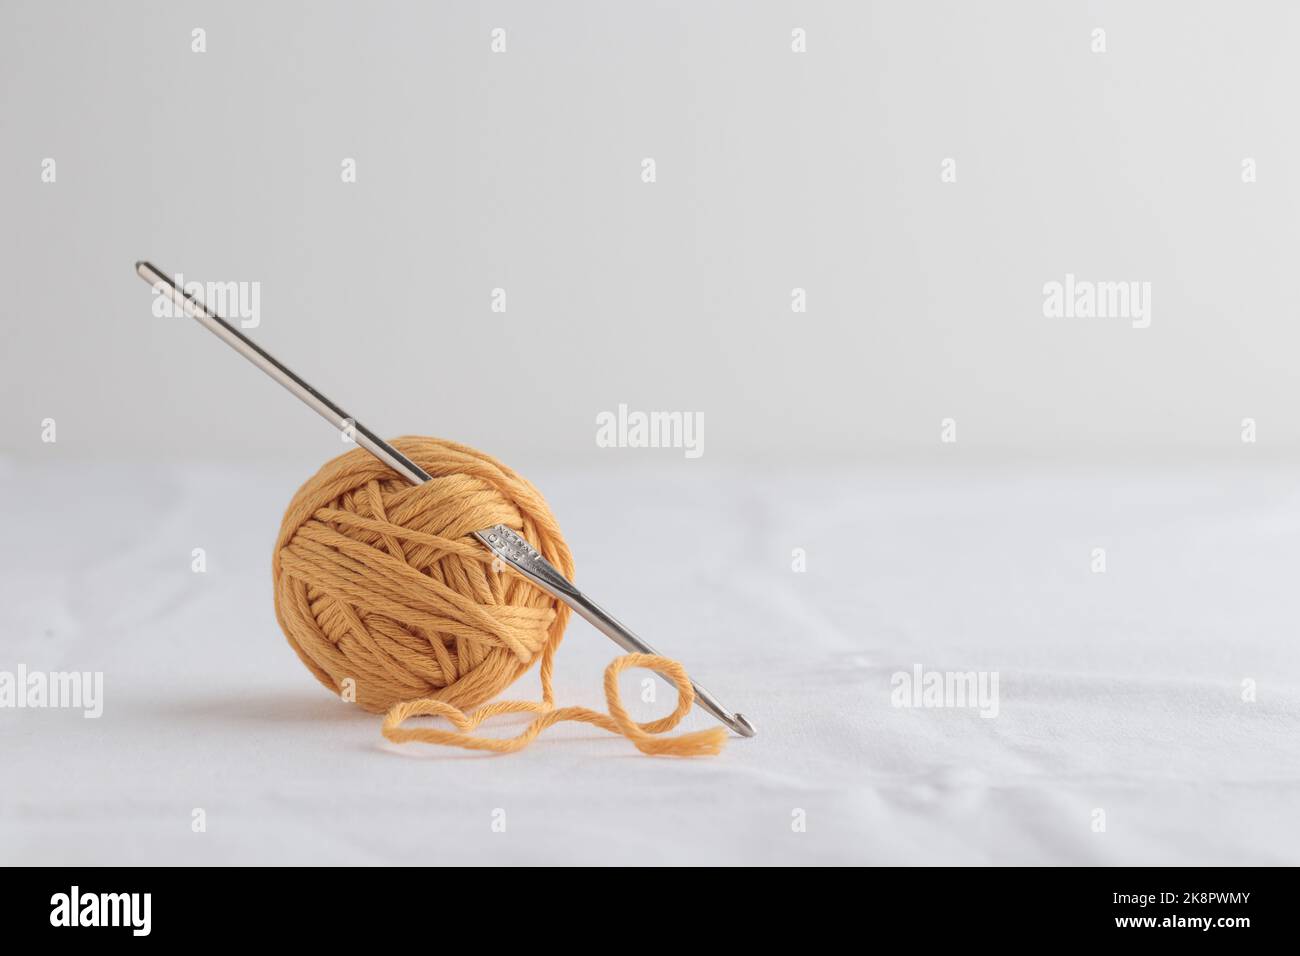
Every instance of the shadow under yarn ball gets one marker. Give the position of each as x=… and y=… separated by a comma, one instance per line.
x=386, y=597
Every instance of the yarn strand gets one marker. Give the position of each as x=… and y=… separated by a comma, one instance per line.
x=617, y=721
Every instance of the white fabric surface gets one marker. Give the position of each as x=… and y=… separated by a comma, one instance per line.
x=1120, y=691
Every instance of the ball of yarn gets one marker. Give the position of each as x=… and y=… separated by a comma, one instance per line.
x=379, y=584
x=385, y=595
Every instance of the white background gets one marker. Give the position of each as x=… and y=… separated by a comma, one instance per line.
x=1120, y=692
x=775, y=170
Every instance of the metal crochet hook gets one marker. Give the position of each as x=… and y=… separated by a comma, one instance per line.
x=505, y=543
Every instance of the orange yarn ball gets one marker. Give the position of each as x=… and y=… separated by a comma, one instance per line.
x=385, y=595
x=388, y=599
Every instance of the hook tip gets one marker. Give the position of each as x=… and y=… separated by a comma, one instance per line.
x=742, y=726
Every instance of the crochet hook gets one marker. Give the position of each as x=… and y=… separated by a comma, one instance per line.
x=503, y=542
